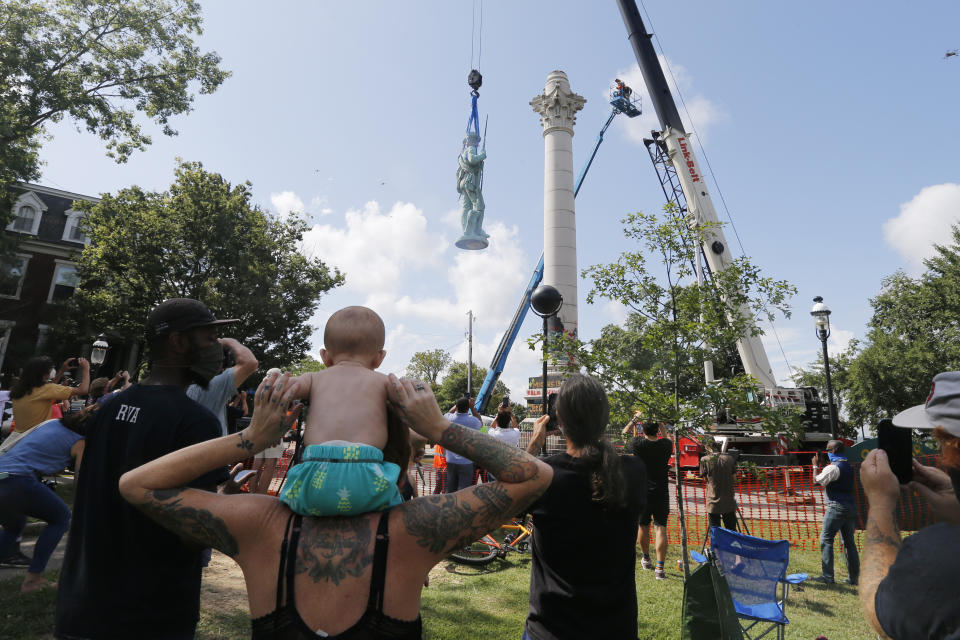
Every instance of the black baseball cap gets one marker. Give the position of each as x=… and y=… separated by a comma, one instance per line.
x=180, y=314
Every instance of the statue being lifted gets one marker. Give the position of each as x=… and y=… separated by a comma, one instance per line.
x=469, y=183
x=470, y=174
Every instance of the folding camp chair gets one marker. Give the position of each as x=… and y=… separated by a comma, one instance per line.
x=755, y=570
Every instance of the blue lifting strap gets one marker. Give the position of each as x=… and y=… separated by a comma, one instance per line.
x=474, y=116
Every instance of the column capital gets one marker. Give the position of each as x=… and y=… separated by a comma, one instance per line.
x=557, y=105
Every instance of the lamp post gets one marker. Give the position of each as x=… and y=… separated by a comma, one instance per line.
x=99, y=352
x=821, y=321
x=546, y=302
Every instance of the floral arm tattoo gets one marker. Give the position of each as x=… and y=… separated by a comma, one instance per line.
x=166, y=508
x=445, y=522
x=881, y=545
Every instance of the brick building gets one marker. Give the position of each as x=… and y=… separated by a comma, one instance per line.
x=42, y=273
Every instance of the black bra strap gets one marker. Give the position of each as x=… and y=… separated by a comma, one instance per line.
x=283, y=563
x=292, y=557
x=379, y=572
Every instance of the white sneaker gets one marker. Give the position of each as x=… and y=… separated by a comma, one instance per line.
x=646, y=563
x=659, y=574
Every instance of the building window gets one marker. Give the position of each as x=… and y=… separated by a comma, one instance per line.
x=64, y=281
x=13, y=271
x=26, y=214
x=72, y=231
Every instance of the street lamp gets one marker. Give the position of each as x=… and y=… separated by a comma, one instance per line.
x=99, y=351
x=821, y=321
x=546, y=301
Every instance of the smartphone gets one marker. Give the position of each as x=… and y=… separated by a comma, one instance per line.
x=243, y=475
x=898, y=445
x=552, y=411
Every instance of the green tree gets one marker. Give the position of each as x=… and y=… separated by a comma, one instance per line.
x=428, y=365
x=454, y=386
x=307, y=364
x=655, y=363
x=105, y=64
x=840, y=364
x=200, y=239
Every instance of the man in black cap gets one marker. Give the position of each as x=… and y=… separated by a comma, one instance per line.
x=124, y=575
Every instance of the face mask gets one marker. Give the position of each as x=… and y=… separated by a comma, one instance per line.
x=207, y=362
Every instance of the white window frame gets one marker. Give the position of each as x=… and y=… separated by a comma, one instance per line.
x=6, y=327
x=43, y=333
x=56, y=271
x=73, y=218
x=23, y=277
x=28, y=198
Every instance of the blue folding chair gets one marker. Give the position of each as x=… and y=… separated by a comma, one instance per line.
x=755, y=570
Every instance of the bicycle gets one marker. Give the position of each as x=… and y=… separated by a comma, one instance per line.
x=515, y=537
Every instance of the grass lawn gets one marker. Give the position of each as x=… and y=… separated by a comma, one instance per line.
x=491, y=602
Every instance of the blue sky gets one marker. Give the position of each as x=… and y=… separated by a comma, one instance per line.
x=831, y=129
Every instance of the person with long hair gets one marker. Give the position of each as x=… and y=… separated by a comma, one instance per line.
x=357, y=576
x=579, y=589
x=35, y=392
x=45, y=450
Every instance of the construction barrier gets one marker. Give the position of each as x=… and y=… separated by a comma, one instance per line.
x=775, y=503
x=784, y=503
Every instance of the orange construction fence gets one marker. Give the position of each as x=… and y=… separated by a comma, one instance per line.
x=775, y=503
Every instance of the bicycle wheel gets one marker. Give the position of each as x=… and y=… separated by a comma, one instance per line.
x=478, y=554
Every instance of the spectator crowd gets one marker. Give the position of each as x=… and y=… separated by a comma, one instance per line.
x=185, y=459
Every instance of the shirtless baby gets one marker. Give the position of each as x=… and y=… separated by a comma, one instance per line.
x=342, y=471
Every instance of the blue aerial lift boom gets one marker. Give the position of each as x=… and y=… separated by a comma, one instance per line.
x=622, y=102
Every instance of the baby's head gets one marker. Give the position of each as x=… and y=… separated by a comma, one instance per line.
x=355, y=334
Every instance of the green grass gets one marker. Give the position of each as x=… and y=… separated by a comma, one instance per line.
x=491, y=602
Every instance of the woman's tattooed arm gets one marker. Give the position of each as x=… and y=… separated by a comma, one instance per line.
x=445, y=522
x=166, y=508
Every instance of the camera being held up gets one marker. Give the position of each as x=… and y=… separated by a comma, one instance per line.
x=552, y=412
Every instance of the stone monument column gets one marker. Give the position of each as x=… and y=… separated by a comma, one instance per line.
x=558, y=107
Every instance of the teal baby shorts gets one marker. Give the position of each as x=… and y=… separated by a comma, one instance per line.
x=341, y=480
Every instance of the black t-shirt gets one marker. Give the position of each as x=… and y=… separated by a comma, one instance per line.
x=123, y=575
x=655, y=455
x=919, y=596
x=582, y=583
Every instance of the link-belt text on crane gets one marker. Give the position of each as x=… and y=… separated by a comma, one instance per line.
x=691, y=165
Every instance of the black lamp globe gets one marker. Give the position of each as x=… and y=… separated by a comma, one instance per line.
x=546, y=300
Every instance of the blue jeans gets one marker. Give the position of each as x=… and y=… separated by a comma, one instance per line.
x=459, y=476
x=22, y=496
x=839, y=519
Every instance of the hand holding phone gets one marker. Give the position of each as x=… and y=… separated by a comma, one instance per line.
x=897, y=442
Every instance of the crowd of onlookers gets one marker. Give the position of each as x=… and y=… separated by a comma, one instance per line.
x=345, y=545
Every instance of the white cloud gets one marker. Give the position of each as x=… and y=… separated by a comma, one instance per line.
x=923, y=221
x=318, y=204
x=700, y=114
x=286, y=202
x=488, y=282
x=375, y=249
x=616, y=312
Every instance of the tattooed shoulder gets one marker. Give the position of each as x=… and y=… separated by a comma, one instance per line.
x=166, y=508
